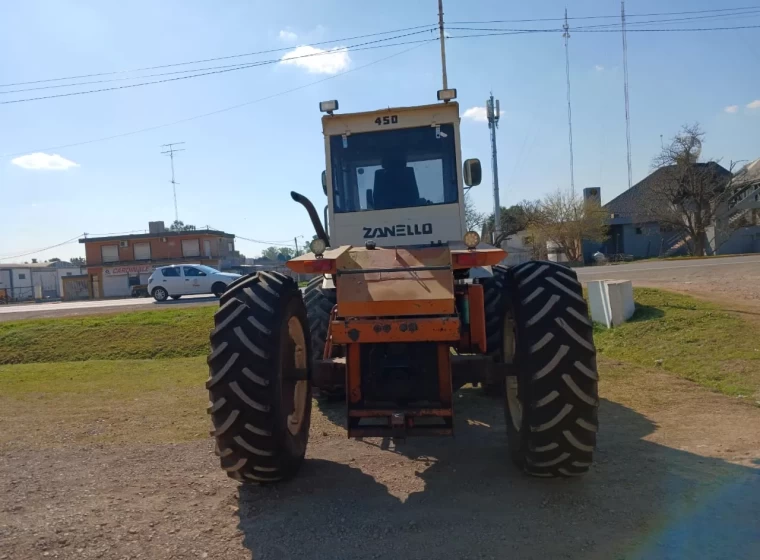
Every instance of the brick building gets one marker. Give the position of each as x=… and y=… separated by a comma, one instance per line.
x=116, y=263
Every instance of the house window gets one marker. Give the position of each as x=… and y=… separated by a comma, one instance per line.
x=142, y=251
x=230, y=247
x=639, y=231
x=191, y=248
x=22, y=276
x=68, y=274
x=110, y=253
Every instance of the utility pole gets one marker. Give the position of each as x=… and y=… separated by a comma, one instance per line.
x=170, y=152
x=443, y=44
x=493, y=112
x=566, y=35
x=625, y=91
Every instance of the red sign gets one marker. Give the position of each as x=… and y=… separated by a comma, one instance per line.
x=131, y=269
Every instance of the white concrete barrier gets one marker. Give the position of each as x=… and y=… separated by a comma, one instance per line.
x=611, y=301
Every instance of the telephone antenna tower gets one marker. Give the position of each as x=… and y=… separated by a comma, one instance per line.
x=170, y=151
x=625, y=90
x=493, y=113
x=566, y=35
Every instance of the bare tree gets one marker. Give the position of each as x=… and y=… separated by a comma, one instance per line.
x=473, y=219
x=565, y=219
x=686, y=194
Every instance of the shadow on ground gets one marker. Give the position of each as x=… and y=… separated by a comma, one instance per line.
x=646, y=313
x=641, y=500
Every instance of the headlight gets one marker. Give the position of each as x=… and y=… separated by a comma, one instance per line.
x=471, y=239
x=318, y=247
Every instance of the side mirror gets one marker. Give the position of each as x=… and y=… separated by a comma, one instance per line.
x=473, y=173
x=324, y=182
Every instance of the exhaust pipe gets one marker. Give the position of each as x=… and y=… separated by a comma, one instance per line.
x=315, y=221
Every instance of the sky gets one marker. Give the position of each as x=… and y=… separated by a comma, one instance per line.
x=240, y=165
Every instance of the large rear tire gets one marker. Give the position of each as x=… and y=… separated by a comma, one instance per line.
x=552, y=391
x=495, y=295
x=259, y=384
x=319, y=304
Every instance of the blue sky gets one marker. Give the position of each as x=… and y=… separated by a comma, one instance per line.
x=240, y=165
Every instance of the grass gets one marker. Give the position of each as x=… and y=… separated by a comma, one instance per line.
x=137, y=401
x=175, y=333
x=694, y=339
x=93, y=379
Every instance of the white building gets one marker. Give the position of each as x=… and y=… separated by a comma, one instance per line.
x=29, y=281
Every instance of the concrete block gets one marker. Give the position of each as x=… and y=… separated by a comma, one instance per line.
x=611, y=301
x=598, y=303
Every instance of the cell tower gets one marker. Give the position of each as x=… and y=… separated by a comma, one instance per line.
x=566, y=35
x=625, y=90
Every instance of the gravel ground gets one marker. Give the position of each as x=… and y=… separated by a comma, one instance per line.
x=676, y=477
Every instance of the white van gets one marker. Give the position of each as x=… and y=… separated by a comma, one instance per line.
x=180, y=280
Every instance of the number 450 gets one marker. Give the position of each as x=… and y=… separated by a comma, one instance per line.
x=393, y=119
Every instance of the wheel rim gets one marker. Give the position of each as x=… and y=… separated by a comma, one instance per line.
x=295, y=392
x=509, y=345
x=161, y=293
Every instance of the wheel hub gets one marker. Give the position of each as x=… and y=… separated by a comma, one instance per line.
x=509, y=345
x=299, y=392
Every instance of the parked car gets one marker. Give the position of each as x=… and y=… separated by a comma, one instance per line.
x=180, y=280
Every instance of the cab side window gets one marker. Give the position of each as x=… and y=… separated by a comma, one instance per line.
x=170, y=272
x=190, y=271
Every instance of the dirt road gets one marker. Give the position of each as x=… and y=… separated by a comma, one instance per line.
x=677, y=476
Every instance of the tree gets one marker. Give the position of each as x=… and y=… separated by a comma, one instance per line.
x=514, y=219
x=564, y=219
x=77, y=261
x=179, y=225
x=687, y=193
x=54, y=259
x=278, y=253
x=473, y=219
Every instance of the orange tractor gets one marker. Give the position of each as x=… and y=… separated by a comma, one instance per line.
x=405, y=308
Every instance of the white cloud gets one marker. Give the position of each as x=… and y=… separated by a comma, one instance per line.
x=754, y=105
x=599, y=68
x=289, y=36
x=40, y=160
x=731, y=109
x=318, y=61
x=477, y=114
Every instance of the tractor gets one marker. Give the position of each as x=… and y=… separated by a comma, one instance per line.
x=405, y=308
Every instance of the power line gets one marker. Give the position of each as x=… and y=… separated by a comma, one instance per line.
x=674, y=20
x=605, y=17
x=222, y=71
x=223, y=110
x=72, y=240
x=239, y=66
x=497, y=32
x=201, y=61
x=281, y=242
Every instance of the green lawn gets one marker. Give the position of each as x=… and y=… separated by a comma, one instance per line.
x=117, y=401
x=94, y=379
x=694, y=339
x=175, y=333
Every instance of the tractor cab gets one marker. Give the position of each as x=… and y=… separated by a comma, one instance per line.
x=393, y=176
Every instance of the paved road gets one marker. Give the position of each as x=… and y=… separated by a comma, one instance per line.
x=68, y=308
x=726, y=276
x=656, y=269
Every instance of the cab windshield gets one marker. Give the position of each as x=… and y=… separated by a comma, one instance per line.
x=401, y=168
